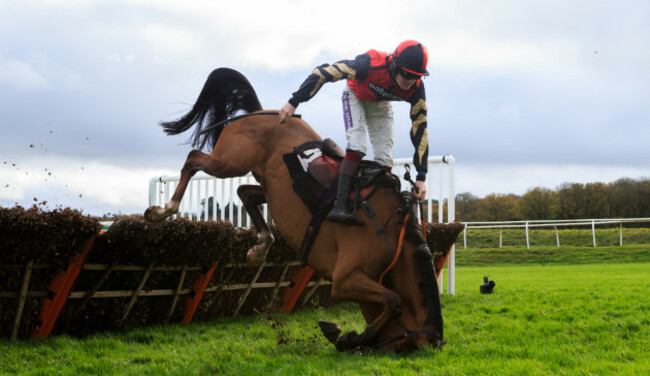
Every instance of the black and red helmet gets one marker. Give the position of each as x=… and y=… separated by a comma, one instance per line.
x=411, y=58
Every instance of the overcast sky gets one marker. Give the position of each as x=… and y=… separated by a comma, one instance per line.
x=524, y=94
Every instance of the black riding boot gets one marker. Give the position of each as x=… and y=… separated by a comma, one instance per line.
x=341, y=213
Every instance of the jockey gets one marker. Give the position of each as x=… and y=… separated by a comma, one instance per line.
x=373, y=80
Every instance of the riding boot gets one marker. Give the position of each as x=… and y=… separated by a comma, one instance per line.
x=341, y=213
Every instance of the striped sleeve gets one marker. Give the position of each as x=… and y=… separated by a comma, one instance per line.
x=344, y=69
x=419, y=135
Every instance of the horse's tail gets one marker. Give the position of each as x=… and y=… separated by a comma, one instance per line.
x=225, y=93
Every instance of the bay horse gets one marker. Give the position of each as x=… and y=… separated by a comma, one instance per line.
x=403, y=312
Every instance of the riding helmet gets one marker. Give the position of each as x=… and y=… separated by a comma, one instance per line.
x=411, y=58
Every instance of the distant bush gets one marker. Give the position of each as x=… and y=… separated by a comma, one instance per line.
x=624, y=198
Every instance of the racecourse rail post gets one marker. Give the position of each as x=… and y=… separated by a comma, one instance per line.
x=451, y=216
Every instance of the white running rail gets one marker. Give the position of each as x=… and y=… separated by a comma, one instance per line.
x=549, y=223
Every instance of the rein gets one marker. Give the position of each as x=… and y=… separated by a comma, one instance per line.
x=407, y=334
x=400, y=245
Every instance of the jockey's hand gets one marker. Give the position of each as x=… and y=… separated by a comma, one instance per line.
x=286, y=112
x=422, y=194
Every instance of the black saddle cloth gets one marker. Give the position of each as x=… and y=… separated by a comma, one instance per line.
x=313, y=166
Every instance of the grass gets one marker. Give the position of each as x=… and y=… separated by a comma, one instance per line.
x=575, y=319
x=551, y=317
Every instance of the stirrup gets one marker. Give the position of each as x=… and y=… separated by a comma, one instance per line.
x=340, y=216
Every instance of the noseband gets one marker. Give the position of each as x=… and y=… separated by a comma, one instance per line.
x=407, y=334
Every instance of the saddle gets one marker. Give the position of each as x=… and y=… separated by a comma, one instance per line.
x=313, y=166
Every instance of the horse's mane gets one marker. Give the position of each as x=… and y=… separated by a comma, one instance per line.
x=428, y=286
x=225, y=93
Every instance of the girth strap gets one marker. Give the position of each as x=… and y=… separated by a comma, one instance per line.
x=315, y=223
x=380, y=230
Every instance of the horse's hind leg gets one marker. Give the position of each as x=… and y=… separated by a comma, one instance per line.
x=194, y=163
x=253, y=196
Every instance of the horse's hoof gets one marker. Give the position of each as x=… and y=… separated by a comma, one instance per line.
x=254, y=256
x=348, y=341
x=250, y=257
x=152, y=214
x=330, y=330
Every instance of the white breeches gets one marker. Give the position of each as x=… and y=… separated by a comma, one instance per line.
x=372, y=117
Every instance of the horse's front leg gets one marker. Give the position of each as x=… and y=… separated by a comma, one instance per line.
x=253, y=196
x=194, y=163
x=358, y=287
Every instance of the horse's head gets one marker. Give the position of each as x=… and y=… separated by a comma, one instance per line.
x=414, y=280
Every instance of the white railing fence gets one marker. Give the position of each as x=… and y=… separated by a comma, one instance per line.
x=549, y=224
x=209, y=198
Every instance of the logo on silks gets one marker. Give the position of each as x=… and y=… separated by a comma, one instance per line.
x=383, y=93
x=487, y=287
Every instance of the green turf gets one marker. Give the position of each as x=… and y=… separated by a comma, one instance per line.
x=542, y=319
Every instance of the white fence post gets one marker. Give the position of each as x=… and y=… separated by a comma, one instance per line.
x=621, y=234
x=527, y=240
x=465, y=237
x=440, y=195
x=451, y=216
x=593, y=231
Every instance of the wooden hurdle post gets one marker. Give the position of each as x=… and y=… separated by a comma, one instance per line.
x=22, y=296
x=58, y=292
x=198, y=288
x=292, y=293
x=440, y=263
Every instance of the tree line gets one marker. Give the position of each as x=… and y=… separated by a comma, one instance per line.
x=624, y=198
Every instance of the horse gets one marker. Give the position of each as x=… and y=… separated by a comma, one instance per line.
x=403, y=312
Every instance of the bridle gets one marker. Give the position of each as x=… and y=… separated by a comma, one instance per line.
x=413, y=333
x=407, y=333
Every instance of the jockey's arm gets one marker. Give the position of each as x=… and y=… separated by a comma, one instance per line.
x=342, y=70
x=420, y=140
x=286, y=112
x=422, y=190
